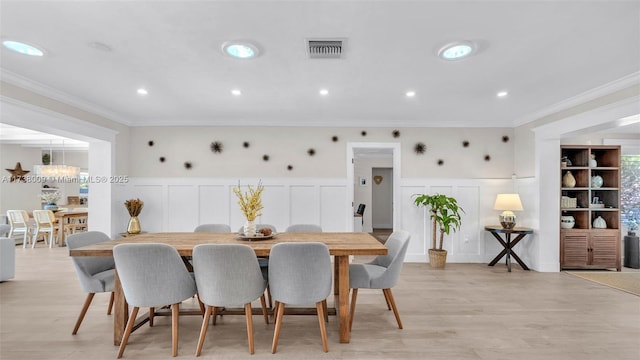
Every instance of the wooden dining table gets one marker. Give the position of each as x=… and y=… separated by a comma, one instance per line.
x=341, y=246
x=66, y=217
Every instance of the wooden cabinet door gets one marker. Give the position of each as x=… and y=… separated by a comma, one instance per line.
x=575, y=245
x=604, y=249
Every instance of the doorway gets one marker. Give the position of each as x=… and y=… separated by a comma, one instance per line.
x=366, y=186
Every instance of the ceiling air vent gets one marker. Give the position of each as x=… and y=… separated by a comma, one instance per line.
x=325, y=49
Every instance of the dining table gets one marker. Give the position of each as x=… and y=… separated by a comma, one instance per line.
x=342, y=245
x=67, y=218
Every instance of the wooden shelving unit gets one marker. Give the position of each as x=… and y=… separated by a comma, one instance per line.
x=583, y=246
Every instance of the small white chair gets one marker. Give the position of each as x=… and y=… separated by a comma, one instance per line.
x=45, y=223
x=19, y=221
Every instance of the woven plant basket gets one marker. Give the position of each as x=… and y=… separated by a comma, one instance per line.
x=437, y=258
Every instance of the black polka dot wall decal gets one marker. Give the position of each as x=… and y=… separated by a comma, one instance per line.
x=162, y=159
x=363, y=133
x=505, y=139
x=245, y=144
x=420, y=148
x=311, y=152
x=289, y=167
x=395, y=133
x=265, y=157
x=465, y=143
x=334, y=138
x=487, y=158
x=150, y=143
x=216, y=147
x=188, y=165
x=440, y=162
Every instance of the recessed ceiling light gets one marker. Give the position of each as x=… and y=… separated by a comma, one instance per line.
x=456, y=50
x=324, y=92
x=503, y=93
x=410, y=93
x=240, y=49
x=236, y=92
x=22, y=48
x=142, y=91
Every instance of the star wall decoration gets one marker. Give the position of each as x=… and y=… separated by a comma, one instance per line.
x=216, y=147
x=17, y=174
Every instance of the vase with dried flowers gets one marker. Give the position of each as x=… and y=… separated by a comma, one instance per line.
x=134, y=207
x=250, y=205
x=51, y=199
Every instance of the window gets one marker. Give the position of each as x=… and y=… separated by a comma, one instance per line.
x=630, y=189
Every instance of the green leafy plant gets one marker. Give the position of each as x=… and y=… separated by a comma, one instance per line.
x=445, y=213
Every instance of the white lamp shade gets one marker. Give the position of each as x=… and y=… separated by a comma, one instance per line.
x=508, y=202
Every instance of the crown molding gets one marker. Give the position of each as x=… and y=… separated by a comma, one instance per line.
x=27, y=115
x=597, y=92
x=55, y=94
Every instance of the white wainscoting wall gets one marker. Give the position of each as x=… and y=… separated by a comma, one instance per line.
x=181, y=204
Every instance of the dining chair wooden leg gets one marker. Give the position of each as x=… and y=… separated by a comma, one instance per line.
x=111, y=299
x=265, y=313
x=152, y=312
x=249, y=317
x=83, y=312
x=201, y=304
x=325, y=310
x=275, y=311
x=215, y=314
x=386, y=298
x=175, y=312
x=203, y=328
x=276, y=332
x=127, y=331
x=389, y=295
x=352, y=311
x=269, y=298
x=323, y=329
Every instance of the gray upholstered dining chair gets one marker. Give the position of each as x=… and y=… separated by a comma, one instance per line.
x=304, y=228
x=214, y=228
x=228, y=275
x=381, y=273
x=299, y=274
x=264, y=261
x=152, y=275
x=96, y=273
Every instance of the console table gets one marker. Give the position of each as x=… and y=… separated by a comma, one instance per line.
x=508, y=243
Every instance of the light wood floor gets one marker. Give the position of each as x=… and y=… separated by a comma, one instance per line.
x=467, y=311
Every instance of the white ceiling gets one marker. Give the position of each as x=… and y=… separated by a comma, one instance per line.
x=542, y=52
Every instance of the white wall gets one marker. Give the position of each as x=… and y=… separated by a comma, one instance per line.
x=289, y=146
x=18, y=195
x=180, y=204
x=382, y=198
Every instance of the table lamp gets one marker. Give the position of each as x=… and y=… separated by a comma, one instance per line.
x=509, y=203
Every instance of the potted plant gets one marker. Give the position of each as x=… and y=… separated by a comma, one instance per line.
x=444, y=214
